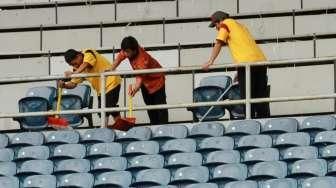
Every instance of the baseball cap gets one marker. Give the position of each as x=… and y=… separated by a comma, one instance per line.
x=217, y=17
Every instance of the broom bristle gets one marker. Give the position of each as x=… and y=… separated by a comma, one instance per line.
x=58, y=122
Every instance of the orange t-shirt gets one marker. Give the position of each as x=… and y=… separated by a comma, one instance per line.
x=152, y=82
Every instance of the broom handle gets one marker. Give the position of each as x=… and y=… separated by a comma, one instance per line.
x=59, y=98
x=130, y=106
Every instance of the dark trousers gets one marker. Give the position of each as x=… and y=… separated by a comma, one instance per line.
x=258, y=90
x=159, y=97
x=112, y=98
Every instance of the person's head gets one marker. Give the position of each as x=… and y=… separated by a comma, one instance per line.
x=73, y=58
x=217, y=18
x=130, y=46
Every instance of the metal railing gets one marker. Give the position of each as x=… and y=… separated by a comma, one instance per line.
x=179, y=70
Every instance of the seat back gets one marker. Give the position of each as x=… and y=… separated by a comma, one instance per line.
x=71, y=102
x=33, y=104
x=221, y=81
x=46, y=92
x=236, y=111
x=83, y=91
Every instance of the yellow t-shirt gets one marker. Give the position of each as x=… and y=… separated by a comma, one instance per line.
x=240, y=42
x=98, y=64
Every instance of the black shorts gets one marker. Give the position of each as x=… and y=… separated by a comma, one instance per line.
x=112, y=98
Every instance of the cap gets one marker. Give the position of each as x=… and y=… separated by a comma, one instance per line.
x=217, y=17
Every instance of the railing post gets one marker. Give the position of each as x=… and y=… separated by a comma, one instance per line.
x=102, y=100
x=248, y=91
x=335, y=85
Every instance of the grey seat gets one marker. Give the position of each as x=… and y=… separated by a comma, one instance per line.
x=331, y=168
x=292, y=139
x=151, y=177
x=100, y=135
x=68, y=151
x=167, y=132
x=100, y=150
x=261, y=155
x=6, y=155
x=9, y=181
x=299, y=153
x=40, y=181
x=243, y=127
x=142, y=148
x=254, y=141
x=229, y=172
x=7, y=168
x=78, y=180
x=202, y=185
x=279, y=183
x=178, y=160
x=62, y=137
x=187, y=145
x=242, y=184
x=318, y=123
x=135, y=134
x=328, y=152
x=279, y=126
x=145, y=162
x=207, y=129
x=325, y=138
x=108, y=164
x=72, y=166
x=32, y=153
x=319, y=182
x=27, y=139
x=308, y=168
x=268, y=170
x=194, y=174
x=3, y=141
x=35, y=167
x=215, y=143
x=216, y=158
x=113, y=179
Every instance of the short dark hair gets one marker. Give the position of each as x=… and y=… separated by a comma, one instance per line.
x=129, y=43
x=70, y=55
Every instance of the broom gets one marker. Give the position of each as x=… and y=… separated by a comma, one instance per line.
x=56, y=121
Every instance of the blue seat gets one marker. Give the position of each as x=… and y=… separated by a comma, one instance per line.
x=82, y=180
x=72, y=166
x=236, y=111
x=221, y=81
x=279, y=126
x=308, y=168
x=242, y=184
x=135, y=134
x=142, y=148
x=70, y=102
x=299, y=153
x=6, y=155
x=7, y=168
x=319, y=182
x=318, y=123
x=254, y=141
x=325, y=138
x=100, y=150
x=47, y=92
x=167, y=132
x=292, y=139
x=331, y=168
x=35, y=167
x=328, y=152
x=229, y=172
x=40, y=181
x=145, y=162
x=268, y=170
x=207, y=129
x=215, y=143
x=101, y=135
x=108, y=164
x=243, y=127
x=113, y=179
x=216, y=158
x=178, y=145
x=32, y=153
x=194, y=174
x=178, y=160
x=260, y=155
x=3, y=141
x=279, y=183
x=27, y=139
x=151, y=177
x=62, y=137
x=202, y=185
x=9, y=181
x=68, y=151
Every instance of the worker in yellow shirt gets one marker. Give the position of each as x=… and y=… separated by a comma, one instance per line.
x=243, y=49
x=90, y=61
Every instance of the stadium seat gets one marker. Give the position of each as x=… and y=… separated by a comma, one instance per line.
x=40, y=181
x=319, y=182
x=100, y=135
x=113, y=179
x=202, y=185
x=151, y=177
x=242, y=184
x=215, y=143
x=7, y=168
x=27, y=139
x=6, y=155
x=35, y=167
x=243, y=127
x=207, y=129
x=299, y=153
x=47, y=92
x=328, y=152
x=9, y=181
x=104, y=150
x=268, y=170
x=216, y=158
x=308, y=168
x=62, y=137
x=279, y=126
x=82, y=180
x=164, y=186
x=108, y=164
x=68, y=151
x=254, y=141
x=318, y=123
x=70, y=102
x=325, y=138
x=72, y=166
x=279, y=183
x=229, y=172
x=178, y=160
x=3, y=141
x=142, y=148
x=236, y=111
x=178, y=145
x=145, y=162
x=292, y=139
x=164, y=132
x=260, y=155
x=32, y=153
x=135, y=134
x=195, y=174
x=221, y=81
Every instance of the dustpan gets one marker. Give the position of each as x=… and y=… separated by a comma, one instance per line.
x=124, y=124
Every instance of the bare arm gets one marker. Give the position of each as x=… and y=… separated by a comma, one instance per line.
x=66, y=85
x=115, y=64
